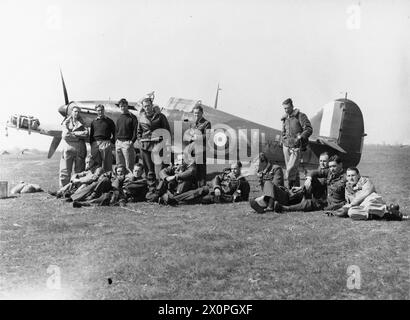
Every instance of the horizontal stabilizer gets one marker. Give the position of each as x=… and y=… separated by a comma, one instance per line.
x=327, y=142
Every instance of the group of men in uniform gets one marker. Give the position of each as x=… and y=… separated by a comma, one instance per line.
x=184, y=181
x=328, y=188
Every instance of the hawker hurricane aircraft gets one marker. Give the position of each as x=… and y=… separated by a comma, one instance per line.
x=337, y=128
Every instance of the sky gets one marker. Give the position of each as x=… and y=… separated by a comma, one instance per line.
x=261, y=52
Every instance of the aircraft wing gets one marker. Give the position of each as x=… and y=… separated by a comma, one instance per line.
x=32, y=124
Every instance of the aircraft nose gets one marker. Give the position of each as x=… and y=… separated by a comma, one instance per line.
x=63, y=110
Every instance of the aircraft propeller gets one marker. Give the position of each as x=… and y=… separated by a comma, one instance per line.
x=63, y=110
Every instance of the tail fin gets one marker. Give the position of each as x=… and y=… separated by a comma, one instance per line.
x=339, y=126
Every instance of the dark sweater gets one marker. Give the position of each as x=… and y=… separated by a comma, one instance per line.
x=102, y=129
x=126, y=128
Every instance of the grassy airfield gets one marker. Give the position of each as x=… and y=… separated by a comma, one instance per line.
x=148, y=251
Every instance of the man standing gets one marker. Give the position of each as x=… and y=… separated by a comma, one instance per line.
x=149, y=122
x=198, y=136
x=363, y=203
x=102, y=137
x=296, y=130
x=126, y=134
x=74, y=134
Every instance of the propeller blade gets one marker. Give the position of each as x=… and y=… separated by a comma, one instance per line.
x=66, y=101
x=53, y=146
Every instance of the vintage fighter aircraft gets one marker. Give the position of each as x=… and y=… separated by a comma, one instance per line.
x=337, y=128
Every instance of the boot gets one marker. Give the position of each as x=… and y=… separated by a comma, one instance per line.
x=394, y=214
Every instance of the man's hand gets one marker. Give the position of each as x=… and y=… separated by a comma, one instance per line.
x=170, y=178
x=296, y=189
x=217, y=192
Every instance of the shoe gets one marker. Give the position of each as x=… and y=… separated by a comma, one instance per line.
x=52, y=193
x=394, y=214
x=76, y=204
x=277, y=207
x=255, y=206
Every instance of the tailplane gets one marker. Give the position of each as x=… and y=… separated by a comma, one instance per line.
x=339, y=126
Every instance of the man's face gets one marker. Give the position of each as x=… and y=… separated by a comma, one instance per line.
x=288, y=108
x=100, y=112
x=137, y=171
x=88, y=163
x=120, y=171
x=236, y=170
x=334, y=166
x=179, y=160
x=352, y=177
x=75, y=113
x=124, y=107
x=197, y=114
x=148, y=107
x=323, y=161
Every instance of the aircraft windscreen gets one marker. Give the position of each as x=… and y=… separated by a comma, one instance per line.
x=180, y=104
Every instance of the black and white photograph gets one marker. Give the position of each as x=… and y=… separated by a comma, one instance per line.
x=192, y=150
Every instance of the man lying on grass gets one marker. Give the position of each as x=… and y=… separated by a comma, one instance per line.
x=362, y=201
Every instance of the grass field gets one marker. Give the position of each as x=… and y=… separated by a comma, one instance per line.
x=200, y=252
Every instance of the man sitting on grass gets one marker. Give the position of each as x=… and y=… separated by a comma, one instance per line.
x=363, y=203
x=230, y=186
x=80, y=180
x=335, y=184
x=135, y=185
x=108, y=190
x=176, y=180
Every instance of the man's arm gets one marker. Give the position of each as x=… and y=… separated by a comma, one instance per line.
x=278, y=178
x=188, y=174
x=165, y=123
x=83, y=134
x=113, y=128
x=268, y=168
x=216, y=183
x=166, y=172
x=65, y=131
x=315, y=174
x=318, y=173
x=367, y=189
x=306, y=126
x=283, y=128
x=135, y=126
x=92, y=132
